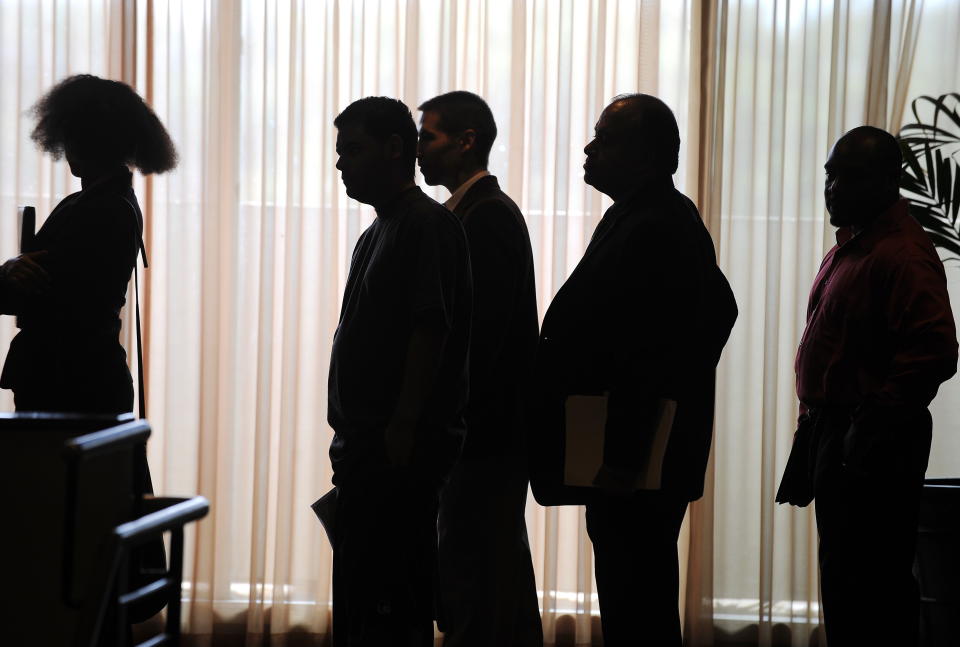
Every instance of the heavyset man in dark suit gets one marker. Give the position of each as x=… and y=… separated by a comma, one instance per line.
x=398, y=384
x=880, y=339
x=487, y=588
x=642, y=318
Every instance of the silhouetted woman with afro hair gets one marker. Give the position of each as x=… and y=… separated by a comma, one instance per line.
x=67, y=290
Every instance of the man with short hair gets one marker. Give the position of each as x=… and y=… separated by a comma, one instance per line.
x=397, y=385
x=487, y=589
x=880, y=339
x=638, y=326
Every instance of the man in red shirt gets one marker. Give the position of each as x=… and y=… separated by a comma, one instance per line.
x=879, y=341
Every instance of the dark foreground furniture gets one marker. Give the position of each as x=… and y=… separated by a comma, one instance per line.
x=938, y=563
x=33, y=478
x=83, y=546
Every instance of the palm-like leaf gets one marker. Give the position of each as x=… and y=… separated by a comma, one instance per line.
x=931, y=175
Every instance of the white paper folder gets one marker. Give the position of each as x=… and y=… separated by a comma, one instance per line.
x=586, y=420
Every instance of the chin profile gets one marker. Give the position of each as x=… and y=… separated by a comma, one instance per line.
x=428, y=179
x=839, y=220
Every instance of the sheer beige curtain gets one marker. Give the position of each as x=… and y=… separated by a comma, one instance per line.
x=782, y=80
x=251, y=240
x=251, y=237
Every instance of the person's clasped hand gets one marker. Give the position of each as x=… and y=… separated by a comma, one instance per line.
x=25, y=275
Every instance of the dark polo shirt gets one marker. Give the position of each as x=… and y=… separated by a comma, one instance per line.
x=411, y=266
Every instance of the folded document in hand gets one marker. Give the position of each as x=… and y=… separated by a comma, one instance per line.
x=326, y=509
x=586, y=419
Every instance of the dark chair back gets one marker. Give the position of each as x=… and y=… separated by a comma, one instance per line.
x=33, y=485
x=104, y=489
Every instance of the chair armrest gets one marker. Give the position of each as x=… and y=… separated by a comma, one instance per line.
x=150, y=503
x=167, y=518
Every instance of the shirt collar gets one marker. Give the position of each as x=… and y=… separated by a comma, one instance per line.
x=882, y=225
x=461, y=191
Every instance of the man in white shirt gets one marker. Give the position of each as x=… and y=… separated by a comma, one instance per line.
x=487, y=588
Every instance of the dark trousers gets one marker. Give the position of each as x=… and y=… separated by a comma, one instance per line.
x=488, y=593
x=635, y=559
x=867, y=498
x=384, y=561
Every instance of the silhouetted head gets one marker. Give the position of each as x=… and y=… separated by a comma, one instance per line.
x=99, y=125
x=863, y=176
x=376, y=148
x=635, y=139
x=457, y=131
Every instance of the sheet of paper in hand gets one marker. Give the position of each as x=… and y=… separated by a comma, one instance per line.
x=586, y=420
x=326, y=510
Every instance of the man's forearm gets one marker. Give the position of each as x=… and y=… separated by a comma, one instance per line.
x=915, y=382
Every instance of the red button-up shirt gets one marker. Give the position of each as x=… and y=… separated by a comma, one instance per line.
x=879, y=322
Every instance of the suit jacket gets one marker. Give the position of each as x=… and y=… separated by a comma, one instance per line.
x=505, y=329
x=644, y=316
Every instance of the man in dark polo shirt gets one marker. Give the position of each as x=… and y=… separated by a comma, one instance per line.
x=639, y=324
x=879, y=341
x=488, y=593
x=398, y=383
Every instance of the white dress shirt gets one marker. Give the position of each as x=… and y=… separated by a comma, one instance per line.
x=461, y=191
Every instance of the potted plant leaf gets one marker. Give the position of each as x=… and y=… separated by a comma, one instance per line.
x=931, y=183
x=930, y=180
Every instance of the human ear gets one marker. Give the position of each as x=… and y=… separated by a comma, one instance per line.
x=394, y=147
x=467, y=139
